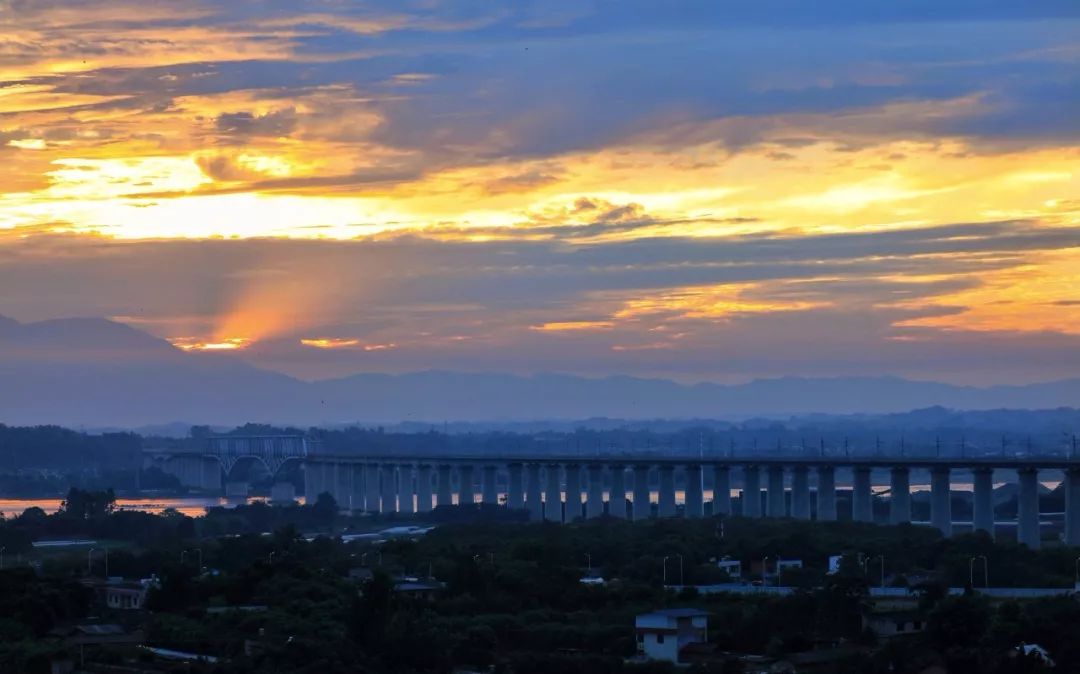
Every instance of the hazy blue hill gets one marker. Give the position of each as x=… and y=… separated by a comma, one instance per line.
x=95, y=372
x=73, y=337
x=435, y=396
x=99, y=373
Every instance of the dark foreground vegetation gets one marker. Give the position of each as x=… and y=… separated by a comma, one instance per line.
x=268, y=589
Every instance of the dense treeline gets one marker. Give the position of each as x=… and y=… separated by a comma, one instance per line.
x=94, y=515
x=64, y=449
x=511, y=595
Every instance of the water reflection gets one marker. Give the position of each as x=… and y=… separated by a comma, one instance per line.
x=193, y=506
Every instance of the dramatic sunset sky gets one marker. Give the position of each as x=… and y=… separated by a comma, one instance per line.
x=695, y=190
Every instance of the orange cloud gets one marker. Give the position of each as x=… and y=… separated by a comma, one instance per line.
x=193, y=344
x=572, y=326
x=329, y=342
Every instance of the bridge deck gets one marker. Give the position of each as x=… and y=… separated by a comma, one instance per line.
x=870, y=461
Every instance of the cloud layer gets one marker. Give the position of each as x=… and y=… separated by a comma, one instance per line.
x=696, y=190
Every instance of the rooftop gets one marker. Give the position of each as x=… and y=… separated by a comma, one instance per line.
x=679, y=613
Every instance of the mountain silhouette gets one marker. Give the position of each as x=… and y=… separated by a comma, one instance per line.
x=100, y=373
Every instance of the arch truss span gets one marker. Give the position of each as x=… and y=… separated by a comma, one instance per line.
x=272, y=451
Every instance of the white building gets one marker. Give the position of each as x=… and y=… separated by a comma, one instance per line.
x=732, y=567
x=661, y=635
x=127, y=595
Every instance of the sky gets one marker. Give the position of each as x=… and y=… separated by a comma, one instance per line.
x=700, y=191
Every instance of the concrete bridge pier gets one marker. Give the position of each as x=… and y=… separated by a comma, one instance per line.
x=594, y=506
x=389, y=489
x=666, y=500
x=198, y=472
x=721, y=491
x=357, y=499
x=826, y=494
x=751, y=495
x=236, y=490
x=553, y=495
x=343, y=485
x=900, y=501
x=515, y=491
x=862, y=499
x=983, y=516
x=617, y=495
x=641, y=508
x=573, y=492
x=423, y=488
x=941, y=499
x=489, y=486
x=282, y=493
x=445, y=488
x=775, y=498
x=372, y=493
x=406, y=487
x=800, y=492
x=695, y=499
x=534, y=500
x=1027, y=516
x=1072, y=506
x=312, y=481
x=466, y=485
x=210, y=478
x=330, y=480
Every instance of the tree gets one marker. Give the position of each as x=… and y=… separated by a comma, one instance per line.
x=958, y=622
x=325, y=508
x=84, y=505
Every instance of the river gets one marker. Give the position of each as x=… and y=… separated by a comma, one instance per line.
x=192, y=506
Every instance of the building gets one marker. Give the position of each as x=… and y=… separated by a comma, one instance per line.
x=419, y=590
x=662, y=635
x=732, y=567
x=1035, y=652
x=127, y=596
x=887, y=624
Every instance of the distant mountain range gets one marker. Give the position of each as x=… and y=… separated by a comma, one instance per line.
x=98, y=373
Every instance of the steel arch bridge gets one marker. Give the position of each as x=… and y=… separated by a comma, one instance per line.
x=273, y=451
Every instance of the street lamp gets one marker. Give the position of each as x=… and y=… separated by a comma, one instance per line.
x=89, y=556
x=986, y=571
x=764, y=569
x=272, y=556
x=681, y=582
x=588, y=562
x=665, y=571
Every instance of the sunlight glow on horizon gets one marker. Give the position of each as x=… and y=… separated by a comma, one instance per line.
x=477, y=195
x=192, y=344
